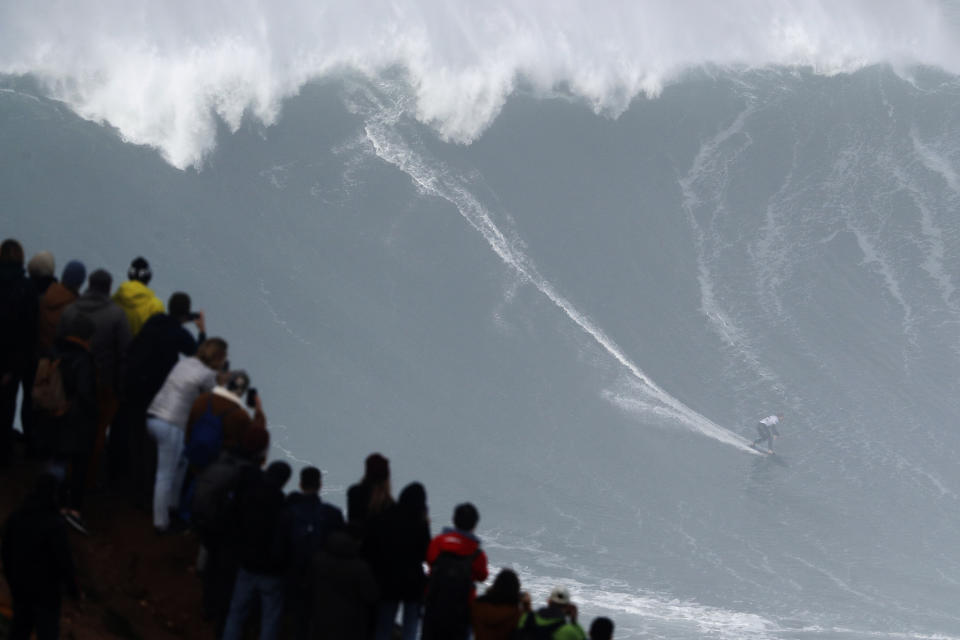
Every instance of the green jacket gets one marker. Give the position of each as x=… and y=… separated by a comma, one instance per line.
x=549, y=616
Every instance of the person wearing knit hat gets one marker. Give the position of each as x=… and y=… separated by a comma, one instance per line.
x=371, y=495
x=136, y=299
x=41, y=270
x=73, y=276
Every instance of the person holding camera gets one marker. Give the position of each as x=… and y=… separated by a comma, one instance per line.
x=229, y=405
x=167, y=421
x=152, y=355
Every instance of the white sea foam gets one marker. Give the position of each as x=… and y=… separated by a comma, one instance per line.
x=161, y=71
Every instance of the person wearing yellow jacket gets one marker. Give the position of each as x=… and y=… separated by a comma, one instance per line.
x=136, y=299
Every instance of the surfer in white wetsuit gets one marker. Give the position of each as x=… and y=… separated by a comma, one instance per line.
x=767, y=428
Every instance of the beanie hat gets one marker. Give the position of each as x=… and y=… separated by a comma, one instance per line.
x=100, y=281
x=73, y=275
x=377, y=468
x=140, y=270
x=41, y=265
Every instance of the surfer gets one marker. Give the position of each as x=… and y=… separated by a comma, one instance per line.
x=767, y=428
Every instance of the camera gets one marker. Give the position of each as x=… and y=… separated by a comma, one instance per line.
x=252, y=398
x=193, y=316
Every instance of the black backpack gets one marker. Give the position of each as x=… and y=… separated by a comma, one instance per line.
x=448, y=593
x=533, y=631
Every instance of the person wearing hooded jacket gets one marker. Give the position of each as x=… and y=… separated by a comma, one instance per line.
x=396, y=545
x=110, y=343
x=153, y=353
x=57, y=297
x=458, y=540
x=559, y=617
x=136, y=299
x=37, y=563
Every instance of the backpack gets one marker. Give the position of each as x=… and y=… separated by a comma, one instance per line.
x=533, y=631
x=448, y=593
x=48, y=393
x=206, y=437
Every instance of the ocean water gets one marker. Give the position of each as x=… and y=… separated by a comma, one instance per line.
x=556, y=261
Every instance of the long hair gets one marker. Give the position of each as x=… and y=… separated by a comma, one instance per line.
x=504, y=590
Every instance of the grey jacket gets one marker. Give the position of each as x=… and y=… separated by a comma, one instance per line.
x=111, y=340
x=188, y=379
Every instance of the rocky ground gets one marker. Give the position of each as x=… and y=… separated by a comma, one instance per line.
x=136, y=584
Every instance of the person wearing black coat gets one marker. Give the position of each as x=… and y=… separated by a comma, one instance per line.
x=263, y=543
x=345, y=590
x=153, y=353
x=67, y=440
x=396, y=545
x=37, y=563
x=18, y=336
x=312, y=522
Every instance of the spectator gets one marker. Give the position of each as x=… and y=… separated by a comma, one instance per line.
x=345, y=590
x=40, y=270
x=397, y=542
x=601, y=629
x=558, y=618
x=263, y=533
x=18, y=334
x=56, y=298
x=371, y=495
x=138, y=301
x=66, y=428
x=111, y=339
x=312, y=521
x=496, y=614
x=37, y=563
x=152, y=355
x=456, y=562
x=213, y=510
x=167, y=420
x=225, y=402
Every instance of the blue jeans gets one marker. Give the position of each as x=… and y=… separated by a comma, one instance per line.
x=247, y=587
x=387, y=615
x=171, y=467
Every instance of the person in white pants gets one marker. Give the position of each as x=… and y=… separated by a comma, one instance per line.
x=167, y=421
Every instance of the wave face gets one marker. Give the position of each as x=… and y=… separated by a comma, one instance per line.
x=574, y=321
x=164, y=73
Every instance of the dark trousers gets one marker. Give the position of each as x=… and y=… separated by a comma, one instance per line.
x=8, y=410
x=131, y=452
x=42, y=616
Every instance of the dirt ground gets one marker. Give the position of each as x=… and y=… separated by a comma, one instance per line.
x=136, y=584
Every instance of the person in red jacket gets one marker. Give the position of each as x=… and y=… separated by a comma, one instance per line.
x=456, y=563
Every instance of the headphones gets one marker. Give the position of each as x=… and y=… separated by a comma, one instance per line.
x=140, y=270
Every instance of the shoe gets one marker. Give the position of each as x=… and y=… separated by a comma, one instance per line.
x=74, y=520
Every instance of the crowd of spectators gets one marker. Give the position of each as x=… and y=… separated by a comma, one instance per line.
x=116, y=392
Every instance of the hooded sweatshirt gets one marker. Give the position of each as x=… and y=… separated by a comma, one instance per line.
x=139, y=303
x=111, y=338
